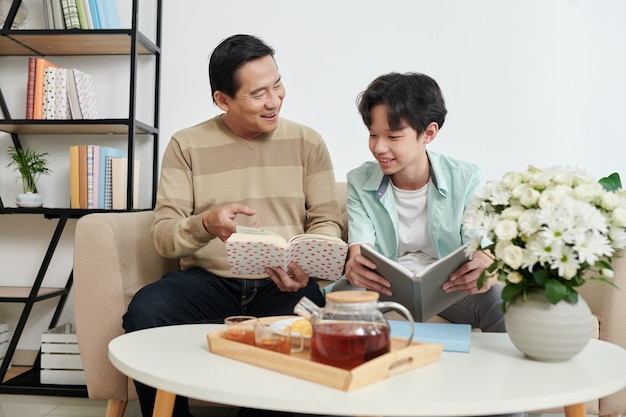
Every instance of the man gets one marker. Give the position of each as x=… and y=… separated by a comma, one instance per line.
x=246, y=166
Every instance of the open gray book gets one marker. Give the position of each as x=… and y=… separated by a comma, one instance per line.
x=422, y=295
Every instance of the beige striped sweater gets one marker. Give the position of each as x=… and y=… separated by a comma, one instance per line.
x=286, y=176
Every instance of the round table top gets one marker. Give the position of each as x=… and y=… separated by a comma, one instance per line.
x=493, y=378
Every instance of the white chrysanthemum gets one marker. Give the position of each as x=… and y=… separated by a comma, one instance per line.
x=567, y=264
x=592, y=247
x=528, y=222
x=500, y=196
x=589, y=215
x=484, y=192
x=511, y=254
x=544, y=252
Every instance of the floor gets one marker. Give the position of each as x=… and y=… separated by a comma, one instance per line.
x=47, y=406
x=50, y=406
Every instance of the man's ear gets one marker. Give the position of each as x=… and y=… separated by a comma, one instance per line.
x=431, y=132
x=221, y=100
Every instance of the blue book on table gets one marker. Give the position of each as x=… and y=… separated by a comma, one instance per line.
x=455, y=337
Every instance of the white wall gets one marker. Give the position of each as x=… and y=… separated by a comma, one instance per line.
x=526, y=81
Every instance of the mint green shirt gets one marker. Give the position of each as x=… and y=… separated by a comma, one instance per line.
x=373, y=217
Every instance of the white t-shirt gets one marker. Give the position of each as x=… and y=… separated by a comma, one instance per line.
x=415, y=251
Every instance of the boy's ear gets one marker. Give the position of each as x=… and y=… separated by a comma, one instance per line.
x=431, y=132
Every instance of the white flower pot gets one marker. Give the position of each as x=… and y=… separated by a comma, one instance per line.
x=29, y=200
x=548, y=332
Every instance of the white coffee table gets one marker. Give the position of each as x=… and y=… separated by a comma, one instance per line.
x=494, y=378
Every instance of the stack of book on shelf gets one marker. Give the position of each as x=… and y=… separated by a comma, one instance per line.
x=55, y=93
x=81, y=14
x=98, y=178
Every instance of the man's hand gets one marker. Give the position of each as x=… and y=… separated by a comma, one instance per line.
x=290, y=281
x=221, y=221
x=360, y=273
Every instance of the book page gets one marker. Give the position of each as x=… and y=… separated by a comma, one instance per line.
x=321, y=257
x=312, y=236
x=251, y=250
x=251, y=253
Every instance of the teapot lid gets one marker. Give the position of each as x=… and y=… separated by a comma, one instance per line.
x=352, y=296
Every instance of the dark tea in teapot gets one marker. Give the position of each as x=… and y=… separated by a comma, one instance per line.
x=348, y=344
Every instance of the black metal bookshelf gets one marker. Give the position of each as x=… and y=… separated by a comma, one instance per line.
x=75, y=42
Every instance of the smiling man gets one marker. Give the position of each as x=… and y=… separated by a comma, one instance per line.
x=246, y=166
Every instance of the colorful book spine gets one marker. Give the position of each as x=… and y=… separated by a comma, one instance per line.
x=49, y=93
x=93, y=8
x=86, y=94
x=89, y=176
x=82, y=176
x=40, y=66
x=62, y=101
x=70, y=14
x=88, y=13
x=107, y=13
x=108, y=191
x=74, y=181
x=30, y=88
x=96, y=177
x=57, y=12
x=104, y=176
x=82, y=14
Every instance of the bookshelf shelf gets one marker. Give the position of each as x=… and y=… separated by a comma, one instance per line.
x=64, y=127
x=75, y=42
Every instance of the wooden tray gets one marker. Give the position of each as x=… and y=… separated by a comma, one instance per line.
x=401, y=359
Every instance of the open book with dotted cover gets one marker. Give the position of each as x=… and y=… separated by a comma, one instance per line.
x=422, y=295
x=250, y=250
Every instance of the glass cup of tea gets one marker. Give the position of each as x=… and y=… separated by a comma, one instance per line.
x=278, y=338
x=240, y=329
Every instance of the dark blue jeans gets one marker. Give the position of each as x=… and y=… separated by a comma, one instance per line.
x=197, y=296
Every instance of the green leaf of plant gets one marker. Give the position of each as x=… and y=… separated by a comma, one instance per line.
x=611, y=182
x=555, y=291
x=540, y=277
x=510, y=291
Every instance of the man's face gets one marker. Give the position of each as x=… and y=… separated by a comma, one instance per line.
x=255, y=108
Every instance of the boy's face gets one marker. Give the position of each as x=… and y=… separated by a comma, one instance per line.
x=256, y=106
x=400, y=153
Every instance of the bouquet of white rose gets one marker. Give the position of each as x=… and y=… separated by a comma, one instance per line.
x=548, y=228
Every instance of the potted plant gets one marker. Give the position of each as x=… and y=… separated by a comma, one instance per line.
x=31, y=165
x=548, y=232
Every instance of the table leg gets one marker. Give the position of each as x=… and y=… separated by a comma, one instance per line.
x=163, y=404
x=575, y=410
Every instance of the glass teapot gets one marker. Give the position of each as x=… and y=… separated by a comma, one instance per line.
x=351, y=329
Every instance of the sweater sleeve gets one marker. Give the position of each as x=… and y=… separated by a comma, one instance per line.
x=176, y=231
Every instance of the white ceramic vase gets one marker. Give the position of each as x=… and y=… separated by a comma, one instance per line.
x=548, y=332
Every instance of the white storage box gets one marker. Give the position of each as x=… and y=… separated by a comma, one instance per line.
x=60, y=358
x=4, y=340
